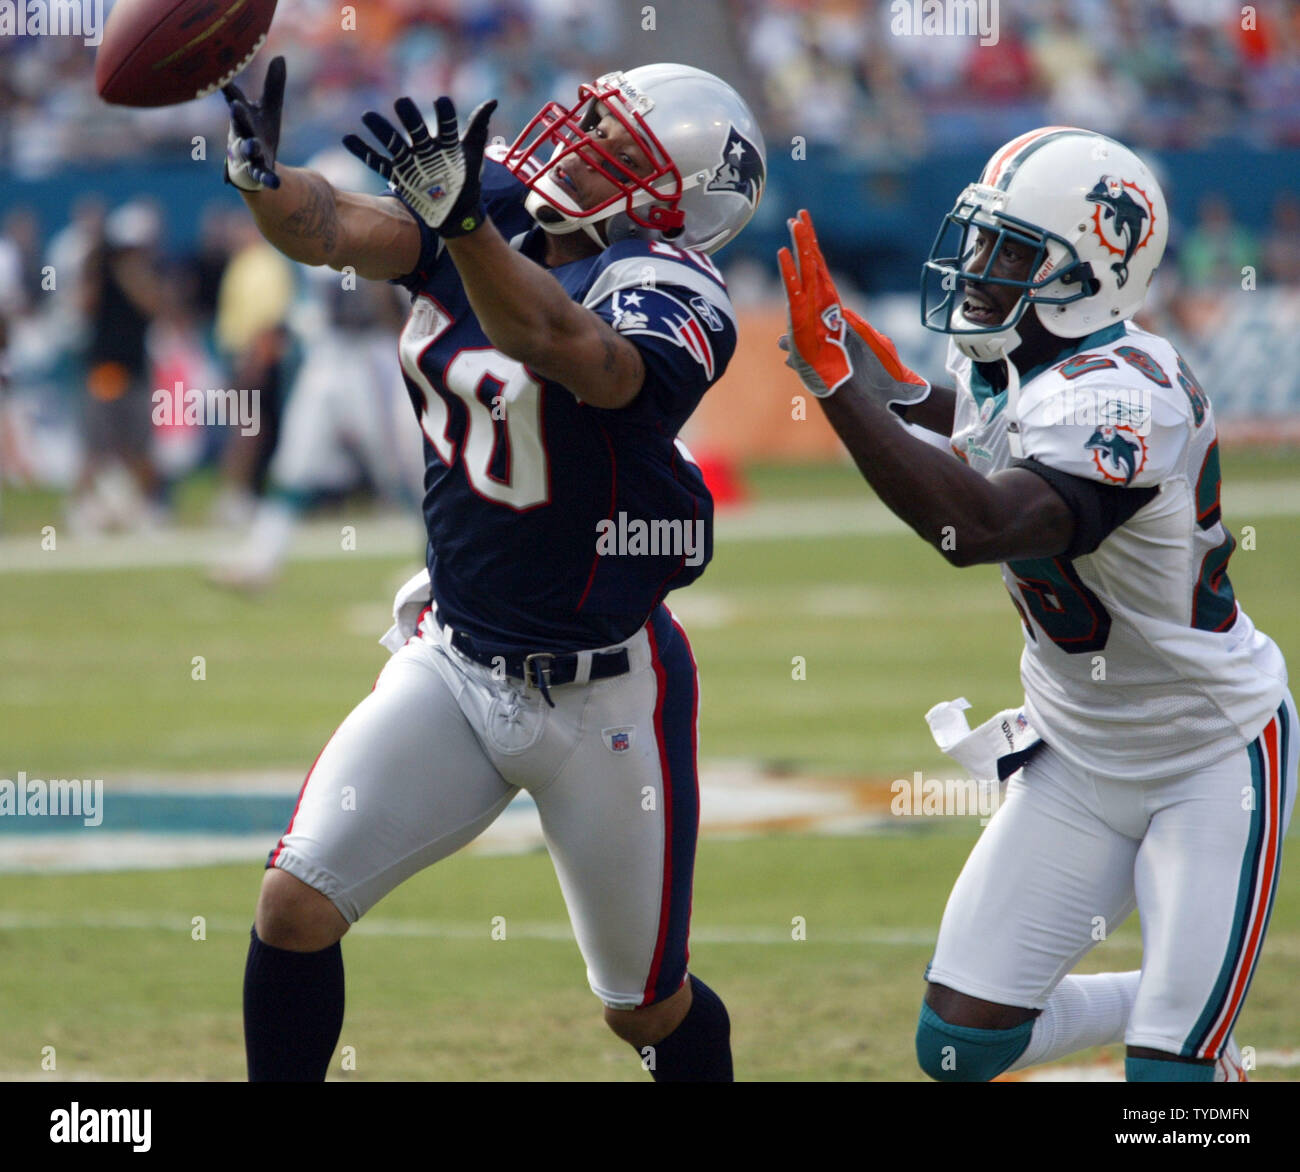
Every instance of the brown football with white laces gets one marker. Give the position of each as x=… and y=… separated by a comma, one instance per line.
x=162, y=53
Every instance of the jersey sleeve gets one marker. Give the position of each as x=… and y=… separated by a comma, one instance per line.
x=680, y=319
x=1112, y=433
x=1099, y=509
x=502, y=194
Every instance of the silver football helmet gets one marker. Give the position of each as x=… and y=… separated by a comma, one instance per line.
x=708, y=162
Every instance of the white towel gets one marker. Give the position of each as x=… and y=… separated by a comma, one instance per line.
x=412, y=598
x=996, y=749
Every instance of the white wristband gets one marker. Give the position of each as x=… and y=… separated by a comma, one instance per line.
x=237, y=166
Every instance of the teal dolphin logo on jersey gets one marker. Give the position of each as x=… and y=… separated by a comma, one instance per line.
x=740, y=169
x=1119, y=453
x=1124, y=216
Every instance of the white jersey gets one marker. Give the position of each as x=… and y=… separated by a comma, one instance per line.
x=1138, y=662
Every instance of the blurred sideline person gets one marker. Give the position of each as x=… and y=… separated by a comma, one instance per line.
x=565, y=320
x=121, y=293
x=253, y=301
x=1153, y=763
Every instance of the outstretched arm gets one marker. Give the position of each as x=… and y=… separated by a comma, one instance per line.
x=312, y=222
x=299, y=211
x=527, y=314
x=524, y=311
x=969, y=518
x=935, y=412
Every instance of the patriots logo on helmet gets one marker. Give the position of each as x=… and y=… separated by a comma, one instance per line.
x=740, y=170
x=1119, y=453
x=1123, y=217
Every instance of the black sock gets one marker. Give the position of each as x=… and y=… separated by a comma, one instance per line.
x=699, y=1049
x=293, y=1011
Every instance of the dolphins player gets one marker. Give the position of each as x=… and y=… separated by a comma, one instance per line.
x=1157, y=727
x=565, y=320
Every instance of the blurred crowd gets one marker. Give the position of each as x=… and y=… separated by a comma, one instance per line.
x=1155, y=73
x=521, y=52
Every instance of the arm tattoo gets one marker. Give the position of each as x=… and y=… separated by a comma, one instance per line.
x=611, y=356
x=318, y=218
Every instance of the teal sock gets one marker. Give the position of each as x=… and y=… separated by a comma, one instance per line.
x=1160, y=1070
x=949, y=1053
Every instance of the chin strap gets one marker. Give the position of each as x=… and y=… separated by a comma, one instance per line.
x=988, y=347
x=1012, y=409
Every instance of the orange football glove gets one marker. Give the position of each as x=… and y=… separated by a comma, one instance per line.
x=823, y=350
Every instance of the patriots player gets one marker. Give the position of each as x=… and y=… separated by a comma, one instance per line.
x=1161, y=768
x=565, y=321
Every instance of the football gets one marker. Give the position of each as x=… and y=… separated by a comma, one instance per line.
x=162, y=53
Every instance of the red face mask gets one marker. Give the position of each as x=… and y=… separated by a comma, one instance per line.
x=562, y=132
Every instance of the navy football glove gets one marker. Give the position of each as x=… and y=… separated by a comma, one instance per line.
x=439, y=178
x=255, y=132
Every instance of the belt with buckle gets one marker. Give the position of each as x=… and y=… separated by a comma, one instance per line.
x=543, y=669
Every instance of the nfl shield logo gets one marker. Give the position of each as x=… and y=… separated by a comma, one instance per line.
x=619, y=740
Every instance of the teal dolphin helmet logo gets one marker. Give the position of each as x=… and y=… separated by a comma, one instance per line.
x=1122, y=223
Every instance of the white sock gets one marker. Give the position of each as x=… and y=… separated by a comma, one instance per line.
x=1082, y=1011
x=267, y=544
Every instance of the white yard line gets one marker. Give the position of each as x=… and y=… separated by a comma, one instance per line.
x=390, y=535
x=151, y=921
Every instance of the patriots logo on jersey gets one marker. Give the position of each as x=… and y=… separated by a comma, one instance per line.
x=664, y=316
x=1119, y=453
x=740, y=169
x=632, y=321
x=687, y=333
x=628, y=318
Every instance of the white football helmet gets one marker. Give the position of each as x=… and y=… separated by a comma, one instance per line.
x=708, y=160
x=1090, y=209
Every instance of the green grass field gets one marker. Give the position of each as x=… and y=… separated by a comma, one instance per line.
x=97, y=682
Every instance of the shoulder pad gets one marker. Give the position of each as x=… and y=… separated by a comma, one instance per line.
x=1108, y=429
x=649, y=265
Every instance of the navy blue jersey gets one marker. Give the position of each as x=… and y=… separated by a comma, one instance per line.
x=555, y=525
